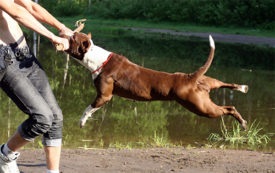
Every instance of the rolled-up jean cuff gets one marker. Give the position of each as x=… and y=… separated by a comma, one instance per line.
x=23, y=135
x=51, y=142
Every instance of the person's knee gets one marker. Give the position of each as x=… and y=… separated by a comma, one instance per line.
x=43, y=124
x=56, y=129
x=54, y=136
x=36, y=125
x=58, y=118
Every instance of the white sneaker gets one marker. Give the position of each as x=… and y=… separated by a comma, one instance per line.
x=7, y=165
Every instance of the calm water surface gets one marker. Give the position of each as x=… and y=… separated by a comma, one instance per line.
x=123, y=123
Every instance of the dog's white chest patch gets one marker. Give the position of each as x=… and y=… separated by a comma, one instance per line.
x=94, y=59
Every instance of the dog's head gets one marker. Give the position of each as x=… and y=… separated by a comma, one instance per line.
x=79, y=45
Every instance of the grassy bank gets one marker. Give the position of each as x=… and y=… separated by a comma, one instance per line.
x=103, y=25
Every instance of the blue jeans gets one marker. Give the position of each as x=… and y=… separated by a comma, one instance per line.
x=26, y=83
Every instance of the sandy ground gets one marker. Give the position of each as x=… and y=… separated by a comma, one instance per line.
x=154, y=160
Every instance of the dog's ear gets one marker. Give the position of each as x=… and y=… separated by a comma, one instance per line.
x=90, y=35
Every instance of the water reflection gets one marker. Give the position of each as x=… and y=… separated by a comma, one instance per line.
x=123, y=122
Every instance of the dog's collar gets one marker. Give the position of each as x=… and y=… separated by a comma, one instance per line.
x=95, y=59
x=103, y=64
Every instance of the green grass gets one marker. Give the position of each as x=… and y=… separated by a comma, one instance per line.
x=160, y=140
x=253, y=137
x=111, y=25
x=157, y=140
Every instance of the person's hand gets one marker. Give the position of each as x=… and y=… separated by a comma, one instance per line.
x=61, y=44
x=66, y=32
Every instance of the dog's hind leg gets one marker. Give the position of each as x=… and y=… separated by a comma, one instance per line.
x=231, y=110
x=202, y=105
x=214, y=111
x=214, y=83
x=241, y=88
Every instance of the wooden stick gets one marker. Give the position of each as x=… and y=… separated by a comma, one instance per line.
x=79, y=28
x=80, y=25
x=59, y=47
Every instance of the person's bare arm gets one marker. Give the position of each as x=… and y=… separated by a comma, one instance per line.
x=43, y=15
x=22, y=16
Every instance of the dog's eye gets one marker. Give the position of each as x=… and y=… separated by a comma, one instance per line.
x=86, y=44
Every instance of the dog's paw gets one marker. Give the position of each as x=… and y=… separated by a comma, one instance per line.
x=243, y=88
x=244, y=125
x=87, y=114
x=83, y=119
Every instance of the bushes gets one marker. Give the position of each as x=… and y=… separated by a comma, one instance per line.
x=245, y=13
x=65, y=7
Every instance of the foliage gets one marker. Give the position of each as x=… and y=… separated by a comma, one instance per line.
x=246, y=13
x=251, y=137
x=160, y=140
x=64, y=7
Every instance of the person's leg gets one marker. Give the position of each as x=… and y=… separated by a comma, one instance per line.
x=52, y=139
x=9, y=156
x=21, y=90
x=8, y=151
x=53, y=157
x=38, y=123
x=16, y=142
x=29, y=99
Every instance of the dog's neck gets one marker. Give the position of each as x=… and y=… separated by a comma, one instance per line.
x=94, y=58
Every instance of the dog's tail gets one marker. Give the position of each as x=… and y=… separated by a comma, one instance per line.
x=201, y=71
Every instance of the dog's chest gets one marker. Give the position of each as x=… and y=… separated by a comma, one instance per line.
x=94, y=59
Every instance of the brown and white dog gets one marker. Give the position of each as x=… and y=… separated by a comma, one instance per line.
x=114, y=74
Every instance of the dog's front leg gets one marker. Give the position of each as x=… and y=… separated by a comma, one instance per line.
x=87, y=114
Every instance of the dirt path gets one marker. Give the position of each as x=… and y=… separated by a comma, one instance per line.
x=156, y=160
x=229, y=38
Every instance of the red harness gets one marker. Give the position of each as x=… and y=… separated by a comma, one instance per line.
x=104, y=63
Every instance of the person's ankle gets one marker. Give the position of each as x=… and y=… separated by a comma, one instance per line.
x=9, y=153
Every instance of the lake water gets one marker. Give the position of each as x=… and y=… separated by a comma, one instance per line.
x=126, y=123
